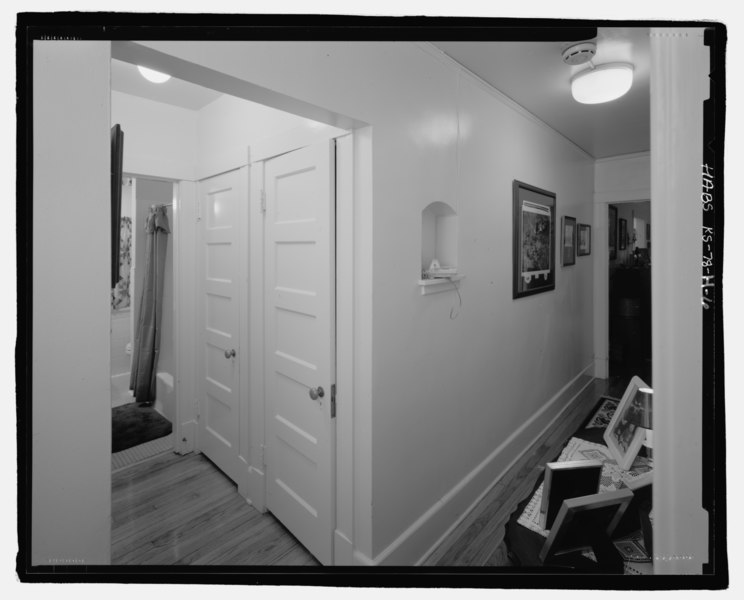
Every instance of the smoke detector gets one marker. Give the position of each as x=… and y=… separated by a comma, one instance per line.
x=578, y=54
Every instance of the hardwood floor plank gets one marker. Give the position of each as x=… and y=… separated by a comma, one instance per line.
x=173, y=509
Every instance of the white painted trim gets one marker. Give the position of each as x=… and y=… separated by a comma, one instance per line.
x=621, y=157
x=343, y=549
x=425, y=535
x=244, y=350
x=185, y=317
x=622, y=196
x=257, y=473
x=445, y=59
x=680, y=65
x=344, y=477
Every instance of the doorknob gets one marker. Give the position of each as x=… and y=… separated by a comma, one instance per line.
x=317, y=392
x=229, y=353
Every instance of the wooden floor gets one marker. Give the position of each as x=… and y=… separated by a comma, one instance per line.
x=478, y=541
x=181, y=510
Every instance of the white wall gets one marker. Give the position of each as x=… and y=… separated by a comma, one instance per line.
x=71, y=460
x=160, y=140
x=228, y=125
x=623, y=178
x=446, y=393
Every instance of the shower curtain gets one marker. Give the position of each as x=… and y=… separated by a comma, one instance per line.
x=147, y=334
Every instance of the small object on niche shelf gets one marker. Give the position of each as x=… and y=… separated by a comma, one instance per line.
x=436, y=271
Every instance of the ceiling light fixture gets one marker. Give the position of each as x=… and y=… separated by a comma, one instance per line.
x=152, y=75
x=602, y=83
x=597, y=84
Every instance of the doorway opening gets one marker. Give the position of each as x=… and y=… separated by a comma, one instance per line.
x=630, y=292
x=207, y=260
x=142, y=382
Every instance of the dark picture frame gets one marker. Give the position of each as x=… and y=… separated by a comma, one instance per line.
x=623, y=235
x=568, y=241
x=612, y=230
x=581, y=521
x=583, y=240
x=533, y=235
x=117, y=164
x=564, y=480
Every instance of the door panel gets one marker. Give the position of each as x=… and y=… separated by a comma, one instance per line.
x=219, y=373
x=300, y=343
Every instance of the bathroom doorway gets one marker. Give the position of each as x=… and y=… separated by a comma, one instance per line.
x=142, y=419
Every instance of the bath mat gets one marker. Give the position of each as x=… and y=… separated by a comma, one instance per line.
x=603, y=415
x=133, y=424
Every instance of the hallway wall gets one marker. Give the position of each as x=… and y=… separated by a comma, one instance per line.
x=438, y=135
x=70, y=365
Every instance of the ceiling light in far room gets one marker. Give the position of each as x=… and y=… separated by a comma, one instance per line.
x=597, y=84
x=152, y=75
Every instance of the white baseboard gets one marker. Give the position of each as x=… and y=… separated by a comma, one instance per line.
x=343, y=550
x=432, y=527
x=256, y=493
x=184, y=441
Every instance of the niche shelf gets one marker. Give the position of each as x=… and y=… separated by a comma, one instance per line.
x=432, y=286
x=439, y=231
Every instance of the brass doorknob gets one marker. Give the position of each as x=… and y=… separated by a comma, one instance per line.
x=317, y=392
x=229, y=353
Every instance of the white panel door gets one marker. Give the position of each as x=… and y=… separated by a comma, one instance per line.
x=300, y=343
x=221, y=200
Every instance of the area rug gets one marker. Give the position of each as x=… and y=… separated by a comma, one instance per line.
x=603, y=415
x=133, y=424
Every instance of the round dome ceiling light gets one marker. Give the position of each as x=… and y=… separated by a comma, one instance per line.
x=152, y=75
x=602, y=83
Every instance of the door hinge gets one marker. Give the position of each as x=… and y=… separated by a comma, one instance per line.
x=333, y=401
x=263, y=201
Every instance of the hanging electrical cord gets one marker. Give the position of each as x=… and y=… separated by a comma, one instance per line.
x=454, y=313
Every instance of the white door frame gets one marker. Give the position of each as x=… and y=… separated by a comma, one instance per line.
x=344, y=482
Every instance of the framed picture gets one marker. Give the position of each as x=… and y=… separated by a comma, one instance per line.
x=117, y=163
x=533, y=240
x=568, y=241
x=584, y=244
x=612, y=231
x=564, y=480
x=623, y=241
x=623, y=435
x=580, y=519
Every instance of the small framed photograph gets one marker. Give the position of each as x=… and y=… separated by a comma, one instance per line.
x=567, y=479
x=612, y=231
x=533, y=239
x=579, y=519
x=623, y=435
x=584, y=247
x=623, y=235
x=568, y=241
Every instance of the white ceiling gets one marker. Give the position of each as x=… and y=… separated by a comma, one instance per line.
x=530, y=73
x=126, y=78
x=534, y=75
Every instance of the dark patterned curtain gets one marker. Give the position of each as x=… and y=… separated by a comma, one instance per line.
x=147, y=333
